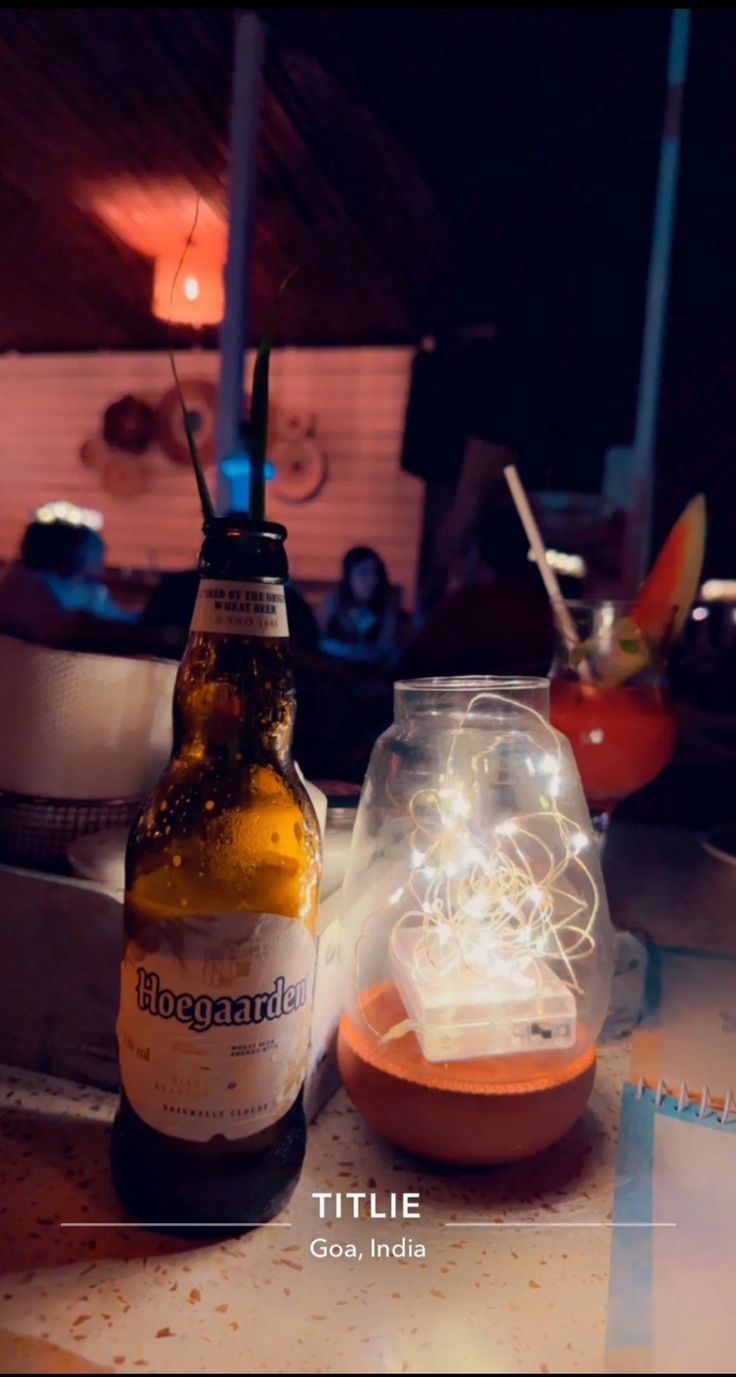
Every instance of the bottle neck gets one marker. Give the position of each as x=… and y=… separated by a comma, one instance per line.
x=234, y=699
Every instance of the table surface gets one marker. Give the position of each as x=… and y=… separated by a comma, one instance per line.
x=525, y=1292
x=483, y=1299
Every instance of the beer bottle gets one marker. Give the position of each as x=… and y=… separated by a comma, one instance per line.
x=222, y=874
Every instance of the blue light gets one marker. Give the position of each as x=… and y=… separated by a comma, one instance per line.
x=238, y=466
x=236, y=469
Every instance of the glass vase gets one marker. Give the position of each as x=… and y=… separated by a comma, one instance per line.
x=476, y=939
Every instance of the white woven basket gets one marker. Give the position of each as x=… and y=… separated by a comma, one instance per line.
x=79, y=726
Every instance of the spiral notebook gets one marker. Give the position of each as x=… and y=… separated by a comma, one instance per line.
x=672, y=1290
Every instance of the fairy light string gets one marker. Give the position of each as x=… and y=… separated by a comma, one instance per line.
x=497, y=906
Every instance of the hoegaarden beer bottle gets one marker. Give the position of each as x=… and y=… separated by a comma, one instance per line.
x=222, y=874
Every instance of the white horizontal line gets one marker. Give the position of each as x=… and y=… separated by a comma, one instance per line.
x=169, y=1224
x=556, y=1224
x=448, y=1224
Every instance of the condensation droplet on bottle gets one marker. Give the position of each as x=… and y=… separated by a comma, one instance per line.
x=209, y=805
x=176, y=860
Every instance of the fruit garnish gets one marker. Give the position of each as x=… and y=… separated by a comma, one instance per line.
x=661, y=606
x=667, y=593
x=620, y=655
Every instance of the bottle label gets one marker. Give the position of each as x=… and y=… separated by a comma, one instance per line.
x=237, y=608
x=213, y=1027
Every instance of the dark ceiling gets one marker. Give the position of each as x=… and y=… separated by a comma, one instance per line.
x=420, y=166
x=86, y=95
x=414, y=163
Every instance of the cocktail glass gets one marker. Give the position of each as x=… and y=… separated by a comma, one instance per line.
x=609, y=698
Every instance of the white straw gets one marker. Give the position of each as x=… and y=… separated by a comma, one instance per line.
x=549, y=577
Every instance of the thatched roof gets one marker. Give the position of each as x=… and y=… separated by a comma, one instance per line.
x=418, y=165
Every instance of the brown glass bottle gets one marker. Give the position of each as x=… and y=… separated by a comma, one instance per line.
x=222, y=875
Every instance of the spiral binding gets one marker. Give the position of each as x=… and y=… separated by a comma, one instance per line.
x=684, y=1097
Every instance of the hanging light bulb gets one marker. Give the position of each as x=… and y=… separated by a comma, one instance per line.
x=157, y=219
x=196, y=297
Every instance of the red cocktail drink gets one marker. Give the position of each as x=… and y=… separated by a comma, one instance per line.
x=609, y=698
x=621, y=735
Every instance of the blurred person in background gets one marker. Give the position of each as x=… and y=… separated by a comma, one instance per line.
x=359, y=623
x=498, y=622
x=469, y=414
x=55, y=587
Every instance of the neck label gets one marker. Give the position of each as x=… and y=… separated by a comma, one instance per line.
x=234, y=607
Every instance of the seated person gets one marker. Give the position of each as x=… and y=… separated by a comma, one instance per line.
x=358, y=622
x=500, y=623
x=56, y=586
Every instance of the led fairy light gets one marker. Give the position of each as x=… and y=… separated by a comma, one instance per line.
x=492, y=928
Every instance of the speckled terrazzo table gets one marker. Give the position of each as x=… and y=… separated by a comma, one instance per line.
x=492, y=1299
x=518, y=1299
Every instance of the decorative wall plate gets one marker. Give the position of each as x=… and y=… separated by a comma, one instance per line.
x=137, y=432
x=129, y=424
x=200, y=398
x=94, y=452
x=124, y=476
x=300, y=463
x=301, y=469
